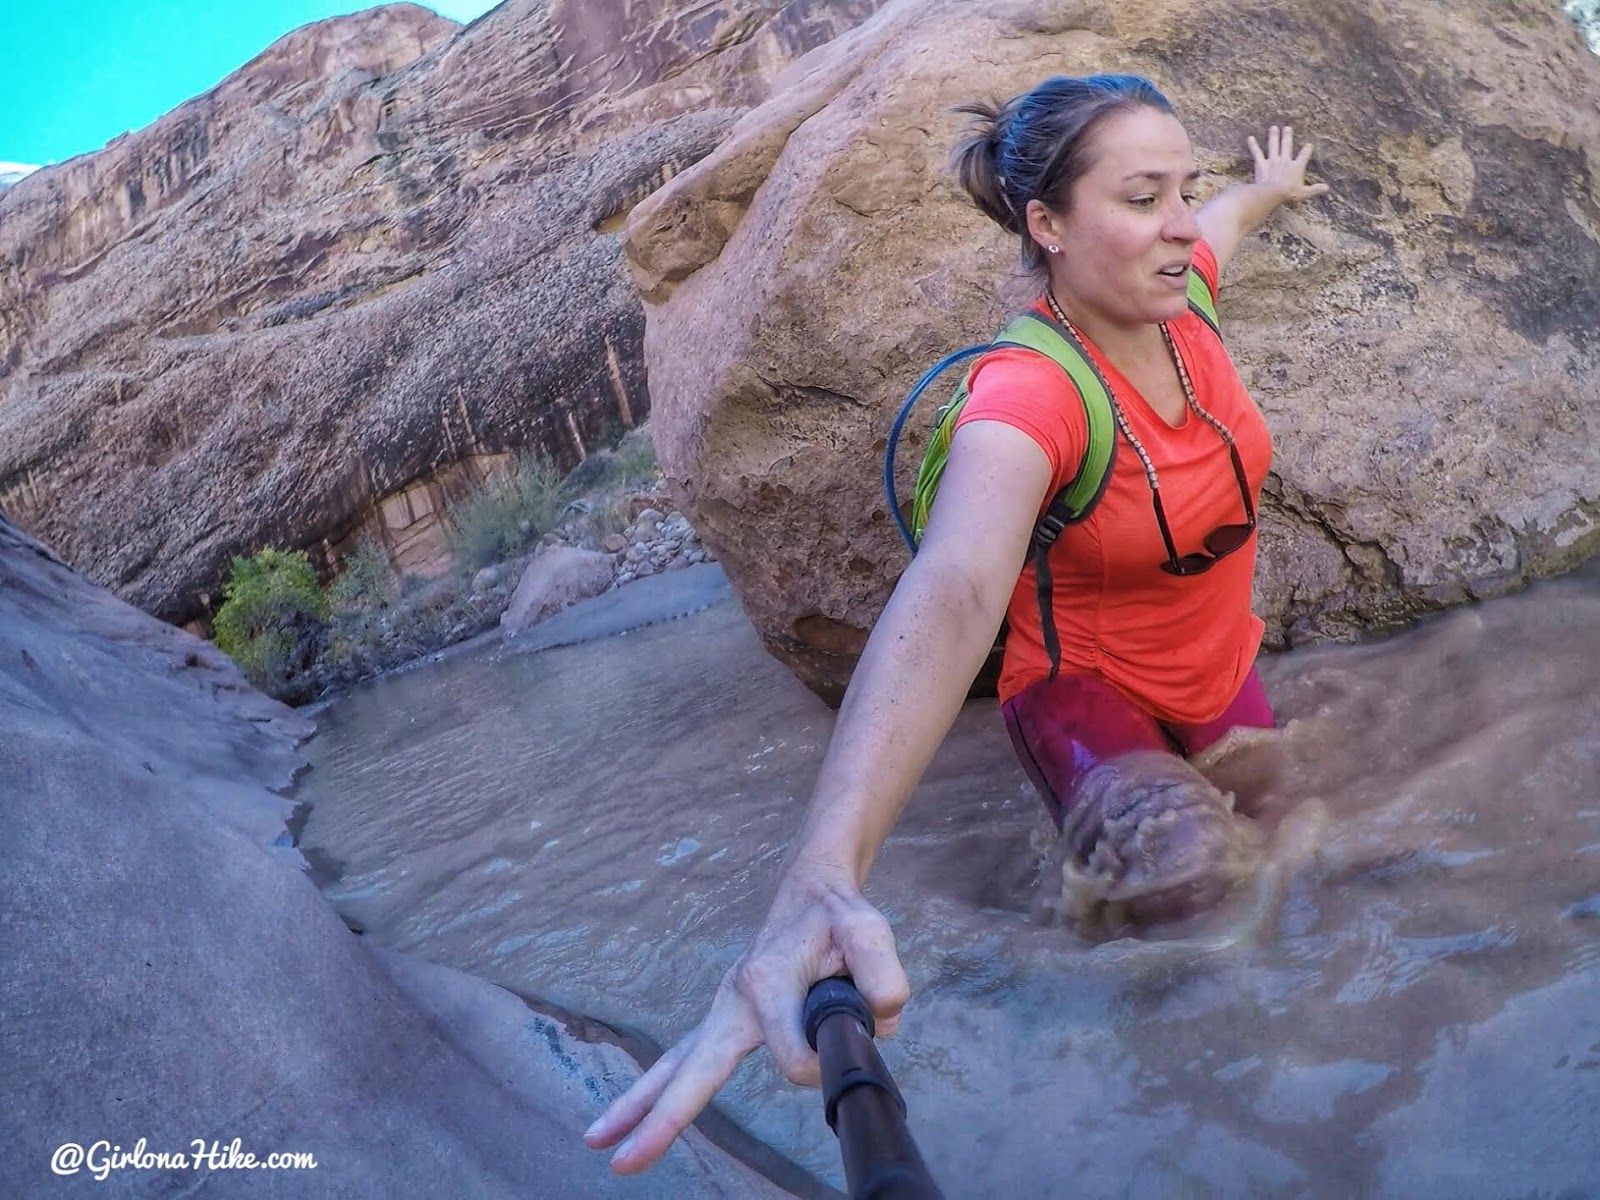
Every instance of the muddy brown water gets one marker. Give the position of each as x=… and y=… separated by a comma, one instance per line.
x=1408, y=1003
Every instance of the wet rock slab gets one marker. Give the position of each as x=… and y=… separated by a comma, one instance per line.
x=168, y=973
x=631, y=606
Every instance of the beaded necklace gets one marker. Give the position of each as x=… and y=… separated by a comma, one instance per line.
x=1116, y=409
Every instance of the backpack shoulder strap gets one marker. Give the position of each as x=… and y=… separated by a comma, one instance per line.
x=1034, y=331
x=1078, y=498
x=1201, y=302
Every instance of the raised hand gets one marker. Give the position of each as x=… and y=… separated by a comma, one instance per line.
x=818, y=926
x=1281, y=168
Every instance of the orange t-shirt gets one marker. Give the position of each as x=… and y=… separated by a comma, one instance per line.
x=1178, y=646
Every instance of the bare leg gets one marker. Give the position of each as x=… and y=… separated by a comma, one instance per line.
x=1145, y=837
x=1158, y=836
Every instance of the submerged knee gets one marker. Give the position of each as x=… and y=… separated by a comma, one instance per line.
x=1149, y=835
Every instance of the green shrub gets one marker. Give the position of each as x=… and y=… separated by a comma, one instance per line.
x=273, y=617
x=629, y=465
x=635, y=463
x=507, y=516
x=366, y=584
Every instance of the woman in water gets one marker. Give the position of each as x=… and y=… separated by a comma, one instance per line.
x=1147, y=642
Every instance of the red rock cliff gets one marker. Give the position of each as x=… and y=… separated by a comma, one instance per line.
x=323, y=295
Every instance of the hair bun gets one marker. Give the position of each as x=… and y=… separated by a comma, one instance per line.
x=976, y=159
x=1037, y=145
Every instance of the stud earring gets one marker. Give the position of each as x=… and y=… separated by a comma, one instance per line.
x=1053, y=248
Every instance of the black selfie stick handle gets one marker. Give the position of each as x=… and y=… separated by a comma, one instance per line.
x=863, y=1106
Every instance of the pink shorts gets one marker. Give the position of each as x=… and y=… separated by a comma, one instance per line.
x=1062, y=727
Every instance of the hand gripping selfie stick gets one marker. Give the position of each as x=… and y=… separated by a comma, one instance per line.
x=863, y=1106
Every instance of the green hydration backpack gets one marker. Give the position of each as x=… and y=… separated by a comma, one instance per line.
x=1075, y=501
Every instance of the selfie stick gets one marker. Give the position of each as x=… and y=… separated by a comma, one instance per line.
x=863, y=1106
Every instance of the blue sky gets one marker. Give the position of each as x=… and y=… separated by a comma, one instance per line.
x=76, y=73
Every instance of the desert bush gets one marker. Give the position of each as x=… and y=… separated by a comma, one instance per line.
x=506, y=517
x=440, y=595
x=634, y=462
x=366, y=584
x=413, y=582
x=591, y=473
x=273, y=617
x=627, y=460
x=610, y=514
x=352, y=649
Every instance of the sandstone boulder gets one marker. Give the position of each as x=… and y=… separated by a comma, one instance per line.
x=344, y=287
x=556, y=579
x=1425, y=342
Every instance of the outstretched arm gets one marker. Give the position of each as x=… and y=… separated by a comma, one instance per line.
x=1227, y=217
x=905, y=692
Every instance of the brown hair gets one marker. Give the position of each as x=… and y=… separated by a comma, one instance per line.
x=1036, y=146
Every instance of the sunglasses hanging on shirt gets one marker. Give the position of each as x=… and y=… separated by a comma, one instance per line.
x=1221, y=541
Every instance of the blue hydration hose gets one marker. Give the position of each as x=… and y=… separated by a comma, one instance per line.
x=938, y=368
